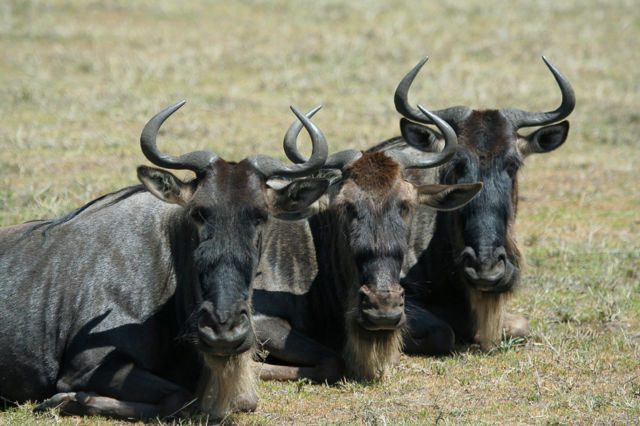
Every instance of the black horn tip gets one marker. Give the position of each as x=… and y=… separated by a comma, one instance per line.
x=173, y=108
x=418, y=67
x=547, y=62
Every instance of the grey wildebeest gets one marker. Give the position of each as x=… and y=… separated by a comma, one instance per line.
x=328, y=300
x=463, y=264
x=139, y=302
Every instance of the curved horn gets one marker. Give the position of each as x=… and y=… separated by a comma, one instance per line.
x=409, y=161
x=290, y=142
x=453, y=114
x=335, y=161
x=195, y=161
x=521, y=118
x=271, y=167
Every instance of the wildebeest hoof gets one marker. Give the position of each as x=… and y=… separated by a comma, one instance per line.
x=516, y=325
x=84, y=397
x=435, y=341
x=247, y=402
x=58, y=400
x=395, y=358
x=330, y=370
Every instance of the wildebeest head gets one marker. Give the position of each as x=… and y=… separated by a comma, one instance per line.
x=491, y=150
x=226, y=208
x=372, y=202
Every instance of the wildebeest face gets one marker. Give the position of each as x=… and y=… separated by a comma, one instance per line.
x=374, y=204
x=224, y=211
x=489, y=151
x=227, y=207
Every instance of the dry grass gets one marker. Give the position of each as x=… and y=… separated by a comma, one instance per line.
x=78, y=79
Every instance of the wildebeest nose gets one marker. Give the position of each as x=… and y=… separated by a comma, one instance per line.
x=225, y=333
x=381, y=310
x=484, y=271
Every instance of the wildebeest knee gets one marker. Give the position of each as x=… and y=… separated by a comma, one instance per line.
x=433, y=341
x=247, y=402
x=330, y=370
x=516, y=325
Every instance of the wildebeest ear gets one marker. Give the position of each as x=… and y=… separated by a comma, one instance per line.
x=296, y=200
x=419, y=136
x=448, y=197
x=544, y=139
x=164, y=185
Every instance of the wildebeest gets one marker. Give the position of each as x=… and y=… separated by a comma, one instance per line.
x=463, y=264
x=139, y=302
x=328, y=299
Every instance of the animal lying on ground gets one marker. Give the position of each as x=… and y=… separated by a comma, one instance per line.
x=328, y=300
x=463, y=264
x=139, y=303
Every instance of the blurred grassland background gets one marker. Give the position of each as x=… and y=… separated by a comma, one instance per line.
x=78, y=80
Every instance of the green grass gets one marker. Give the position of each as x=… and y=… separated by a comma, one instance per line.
x=78, y=80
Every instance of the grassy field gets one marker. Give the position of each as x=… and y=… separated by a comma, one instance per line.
x=78, y=80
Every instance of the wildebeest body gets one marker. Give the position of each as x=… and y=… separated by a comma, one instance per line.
x=126, y=309
x=465, y=263
x=328, y=295
x=138, y=304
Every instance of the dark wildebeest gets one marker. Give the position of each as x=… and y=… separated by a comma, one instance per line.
x=140, y=301
x=463, y=264
x=328, y=294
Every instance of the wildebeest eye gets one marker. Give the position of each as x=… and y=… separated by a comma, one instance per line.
x=259, y=217
x=454, y=172
x=349, y=209
x=404, y=207
x=198, y=214
x=512, y=167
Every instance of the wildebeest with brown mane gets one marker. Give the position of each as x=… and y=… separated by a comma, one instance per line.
x=463, y=264
x=139, y=303
x=328, y=299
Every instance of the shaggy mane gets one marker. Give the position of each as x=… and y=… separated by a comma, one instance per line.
x=51, y=223
x=396, y=142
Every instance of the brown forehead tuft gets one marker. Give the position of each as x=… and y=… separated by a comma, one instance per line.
x=231, y=183
x=487, y=133
x=374, y=170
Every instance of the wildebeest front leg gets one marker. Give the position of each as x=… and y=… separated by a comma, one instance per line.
x=428, y=335
x=136, y=394
x=85, y=403
x=516, y=325
x=306, y=357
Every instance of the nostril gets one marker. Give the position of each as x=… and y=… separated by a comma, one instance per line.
x=207, y=321
x=468, y=257
x=398, y=299
x=242, y=320
x=207, y=335
x=365, y=297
